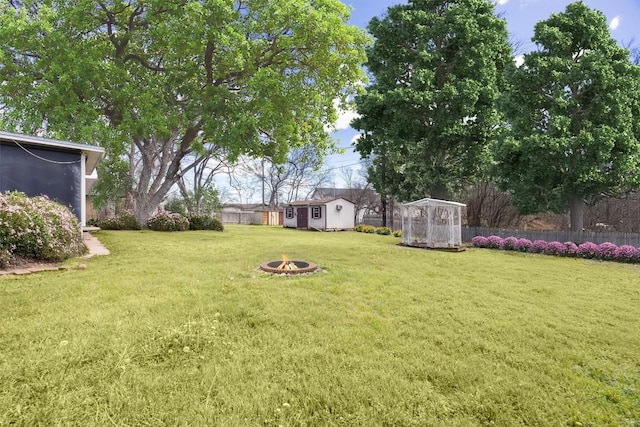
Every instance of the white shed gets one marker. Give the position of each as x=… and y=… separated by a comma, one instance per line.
x=324, y=215
x=432, y=223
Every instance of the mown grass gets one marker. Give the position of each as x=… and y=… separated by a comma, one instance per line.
x=180, y=329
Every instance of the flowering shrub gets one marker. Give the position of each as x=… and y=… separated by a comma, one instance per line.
x=555, y=248
x=587, y=250
x=168, y=221
x=494, y=242
x=37, y=228
x=122, y=221
x=510, y=244
x=524, y=245
x=480, y=242
x=627, y=253
x=572, y=248
x=605, y=251
x=538, y=246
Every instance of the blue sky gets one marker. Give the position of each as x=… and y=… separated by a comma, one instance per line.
x=623, y=17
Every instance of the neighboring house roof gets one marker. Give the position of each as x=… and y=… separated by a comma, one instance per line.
x=345, y=193
x=92, y=152
x=317, y=202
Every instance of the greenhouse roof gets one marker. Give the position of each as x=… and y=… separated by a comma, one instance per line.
x=433, y=202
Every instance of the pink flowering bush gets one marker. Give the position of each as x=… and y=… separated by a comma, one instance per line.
x=555, y=248
x=36, y=227
x=627, y=253
x=587, y=250
x=605, y=251
x=122, y=221
x=524, y=245
x=480, y=242
x=538, y=246
x=168, y=221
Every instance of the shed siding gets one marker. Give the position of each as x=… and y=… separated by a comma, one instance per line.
x=340, y=219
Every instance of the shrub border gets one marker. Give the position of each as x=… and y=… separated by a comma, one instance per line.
x=606, y=251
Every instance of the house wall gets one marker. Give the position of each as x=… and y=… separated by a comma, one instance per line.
x=36, y=171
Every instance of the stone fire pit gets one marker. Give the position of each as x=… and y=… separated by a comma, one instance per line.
x=286, y=266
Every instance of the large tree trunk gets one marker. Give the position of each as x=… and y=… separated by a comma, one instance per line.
x=383, y=200
x=576, y=209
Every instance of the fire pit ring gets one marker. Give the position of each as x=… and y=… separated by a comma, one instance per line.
x=288, y=267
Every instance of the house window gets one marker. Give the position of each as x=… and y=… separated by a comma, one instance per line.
x=316, y=212
x=289, y=212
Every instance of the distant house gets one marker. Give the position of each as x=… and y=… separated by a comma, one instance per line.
x=61, y=170
x=325, y=214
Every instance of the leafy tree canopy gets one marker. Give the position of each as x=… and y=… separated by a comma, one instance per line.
x=155, y=81
x=430, y=113
x=573, y=115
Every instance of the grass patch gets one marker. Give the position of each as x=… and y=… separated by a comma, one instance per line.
x=180, y=329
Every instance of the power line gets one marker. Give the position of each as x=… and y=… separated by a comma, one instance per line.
x=42, y=158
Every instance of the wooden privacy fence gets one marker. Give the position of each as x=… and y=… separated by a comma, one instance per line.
x=241, y=217
x=576, y=237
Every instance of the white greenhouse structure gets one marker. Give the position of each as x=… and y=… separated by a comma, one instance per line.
x=432, y=223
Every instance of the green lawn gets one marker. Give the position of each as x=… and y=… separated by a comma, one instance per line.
x=180, y=329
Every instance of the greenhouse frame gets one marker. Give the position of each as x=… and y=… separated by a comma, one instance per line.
x=432, y=223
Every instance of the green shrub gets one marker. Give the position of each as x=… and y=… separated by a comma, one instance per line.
x=359, y=228
x=397, y=233
x=369, y=229
x=37, y=228
x=385, y=231
x=205, y=222
x=122, y=221
x=168, y=221
x=92, y=222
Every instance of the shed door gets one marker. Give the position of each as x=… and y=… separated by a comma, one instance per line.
x=303, y=218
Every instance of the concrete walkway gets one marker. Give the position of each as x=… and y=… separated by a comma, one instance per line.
x=94, y=245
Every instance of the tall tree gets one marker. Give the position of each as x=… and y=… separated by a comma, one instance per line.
x=284, y=182
x=573, y=117
x=430, y=113
x=154, y=81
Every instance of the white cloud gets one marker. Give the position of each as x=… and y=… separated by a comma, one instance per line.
x=615, y=22
x=501, y=2
x=519, y=60
x=355, y=138
x=345, y=117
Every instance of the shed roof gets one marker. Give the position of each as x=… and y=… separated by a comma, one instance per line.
x=92, y=152
x=317, y=202
x=427, y=202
